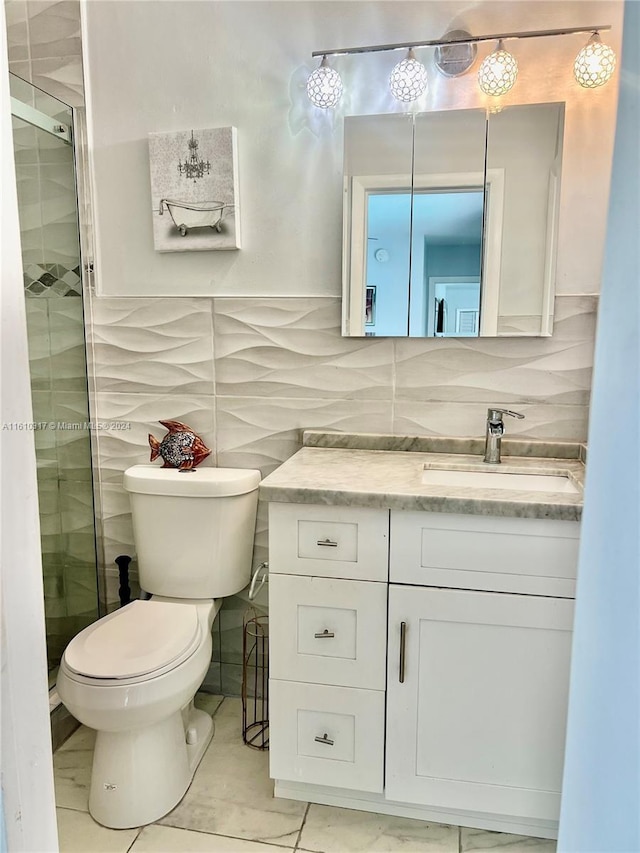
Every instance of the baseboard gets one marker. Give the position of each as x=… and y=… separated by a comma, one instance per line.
x=363, y=801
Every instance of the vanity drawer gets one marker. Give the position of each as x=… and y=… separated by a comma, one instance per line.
x=328, y=541
x=328, y=631
x=326, y=735
x=522, y=555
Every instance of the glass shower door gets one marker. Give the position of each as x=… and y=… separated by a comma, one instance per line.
x=48, y=211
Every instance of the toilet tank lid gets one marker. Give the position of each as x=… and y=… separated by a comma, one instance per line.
x=197, y=483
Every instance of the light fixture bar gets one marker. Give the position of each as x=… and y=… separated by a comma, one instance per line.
x=377, y=48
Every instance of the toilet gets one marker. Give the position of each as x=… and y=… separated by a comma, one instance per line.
x=133, y=674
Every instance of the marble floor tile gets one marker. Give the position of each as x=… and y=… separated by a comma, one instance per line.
x=230, y=808
x=231, y=793
x=167, y=839
x=209, y=702
x=478, y=840
x=333, y=830
x=79, y=833
x=72, y=770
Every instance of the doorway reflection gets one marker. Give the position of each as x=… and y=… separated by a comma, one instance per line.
x=433, y=240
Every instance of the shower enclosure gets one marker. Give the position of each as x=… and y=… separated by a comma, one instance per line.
x=49, y=230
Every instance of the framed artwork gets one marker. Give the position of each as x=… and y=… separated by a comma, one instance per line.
x=194, y=190
x=370, y=305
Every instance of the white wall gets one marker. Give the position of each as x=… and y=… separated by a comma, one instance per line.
x=27, y=775
x=601, y=794
x=391, y=278
x=524, y=144
x=181, y=65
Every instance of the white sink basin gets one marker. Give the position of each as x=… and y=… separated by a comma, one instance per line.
x=500, y=480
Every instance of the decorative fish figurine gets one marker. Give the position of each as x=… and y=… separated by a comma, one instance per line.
x=181, y=447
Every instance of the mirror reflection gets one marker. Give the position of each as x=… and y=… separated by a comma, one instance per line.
x=450, y=222
x=446, y=255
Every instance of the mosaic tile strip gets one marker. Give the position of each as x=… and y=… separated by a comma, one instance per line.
x=52, y=280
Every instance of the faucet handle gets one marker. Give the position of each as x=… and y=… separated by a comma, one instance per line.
x=495, y=415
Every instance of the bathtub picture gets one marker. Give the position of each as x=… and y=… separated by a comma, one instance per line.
x=194, y=190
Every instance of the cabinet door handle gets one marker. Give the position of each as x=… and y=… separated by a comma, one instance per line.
x=403, y=638
x=326, y=634
x=327, y=543
x=324, y=739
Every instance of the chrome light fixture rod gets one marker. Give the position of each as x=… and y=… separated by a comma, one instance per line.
x=377, y=48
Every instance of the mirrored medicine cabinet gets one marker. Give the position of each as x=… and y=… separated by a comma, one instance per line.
x=450, y=222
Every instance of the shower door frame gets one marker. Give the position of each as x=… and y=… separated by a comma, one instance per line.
x=74, y=134
x=33, y=116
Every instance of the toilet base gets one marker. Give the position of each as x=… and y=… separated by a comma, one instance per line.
x=139, y=776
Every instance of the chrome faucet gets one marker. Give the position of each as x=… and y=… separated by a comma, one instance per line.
x=495, y=431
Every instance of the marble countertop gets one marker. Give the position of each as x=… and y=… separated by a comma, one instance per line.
x=393, y=479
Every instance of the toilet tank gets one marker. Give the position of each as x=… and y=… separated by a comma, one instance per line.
x=193, y=531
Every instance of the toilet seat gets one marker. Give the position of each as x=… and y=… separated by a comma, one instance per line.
x=140, y=641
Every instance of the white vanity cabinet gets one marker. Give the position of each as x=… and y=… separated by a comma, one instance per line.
x=476, y=711
x=328, y=569
x=478, y=662
x=530, y=556
x=420, y=662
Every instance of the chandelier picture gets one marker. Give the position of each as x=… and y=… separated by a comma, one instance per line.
x=455, y=54
x=200, y=213
x=193, y=168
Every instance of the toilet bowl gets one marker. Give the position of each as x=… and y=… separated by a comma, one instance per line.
x=132, y=675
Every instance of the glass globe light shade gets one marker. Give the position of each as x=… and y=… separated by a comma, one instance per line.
x=324, y=86
x=595, y=64
x=498, y=72
x=408, y=80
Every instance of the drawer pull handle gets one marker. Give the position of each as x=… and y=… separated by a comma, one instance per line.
x=324, y=635
x=324, y=739
x=403, y=638
x=327, y=543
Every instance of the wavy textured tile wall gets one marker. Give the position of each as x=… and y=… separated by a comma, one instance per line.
x=555, y=370
x=292, y=348
x=251, y=374
x=153, y=346
x=153, y=360
x=44, y=46
x=261, y=433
